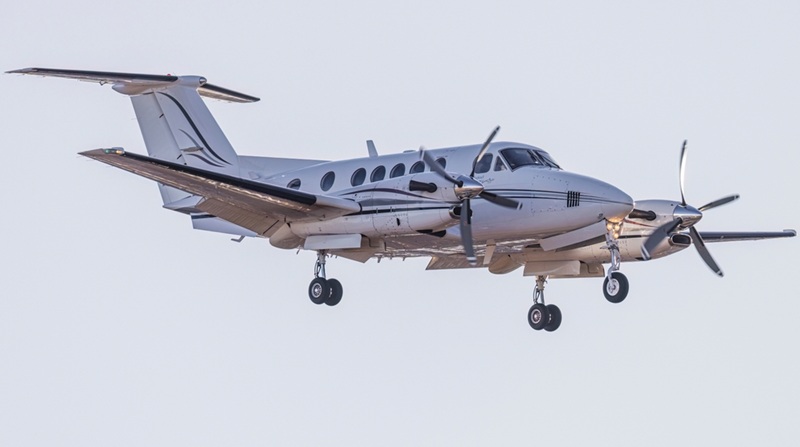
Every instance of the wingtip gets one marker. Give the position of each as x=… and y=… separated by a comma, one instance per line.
x=95, y=153
x=21, y=71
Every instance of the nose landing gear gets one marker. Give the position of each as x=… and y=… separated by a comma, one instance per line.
x=615, y=286
x=323, y=290
x=541, y=316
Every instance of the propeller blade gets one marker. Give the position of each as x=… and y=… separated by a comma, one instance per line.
x=436, y=167
x=719, y=202
x=483, y=150
x=658, y=237
x=700, y=245
x=500, y=200
x=465, y=225
x=682, y=172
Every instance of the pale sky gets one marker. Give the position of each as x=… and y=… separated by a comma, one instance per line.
x=120, y=325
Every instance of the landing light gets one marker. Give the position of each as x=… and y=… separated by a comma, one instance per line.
x=614, y=228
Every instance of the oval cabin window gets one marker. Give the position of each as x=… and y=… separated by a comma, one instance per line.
x=327, y=181
x=398, y=170
x=377, y=174
x=358, y=177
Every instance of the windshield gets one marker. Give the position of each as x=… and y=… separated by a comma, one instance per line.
x=520, y=157
x=517, y=157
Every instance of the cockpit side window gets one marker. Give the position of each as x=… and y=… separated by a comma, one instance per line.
x=518, y=157
x=484, y=165
x=499, y=165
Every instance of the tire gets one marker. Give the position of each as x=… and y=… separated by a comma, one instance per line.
x=555, y=318
x=336, y=292
x=318, y=290
x=538, y=316
x=616, y=289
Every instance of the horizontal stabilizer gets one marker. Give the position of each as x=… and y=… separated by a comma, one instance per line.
x=138, y=80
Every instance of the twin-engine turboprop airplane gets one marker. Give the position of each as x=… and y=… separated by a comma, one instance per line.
x=497, y=205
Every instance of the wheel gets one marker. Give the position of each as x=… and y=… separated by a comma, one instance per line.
x=336, y=292
x=615, y=289
x=538, y=316
x=319, y=290
x=555, y=318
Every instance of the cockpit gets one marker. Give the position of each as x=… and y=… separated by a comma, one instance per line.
x=518, y=157
x=513, y=158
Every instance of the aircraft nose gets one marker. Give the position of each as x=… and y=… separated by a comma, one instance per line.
x=615, y=205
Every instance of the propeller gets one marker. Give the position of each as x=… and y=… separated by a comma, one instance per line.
x=686, y=216
x=467, y=188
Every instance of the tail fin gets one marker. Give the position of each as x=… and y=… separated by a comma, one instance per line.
x=176, y=124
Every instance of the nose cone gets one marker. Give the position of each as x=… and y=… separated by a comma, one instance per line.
x=594, y=199
x=611, y=202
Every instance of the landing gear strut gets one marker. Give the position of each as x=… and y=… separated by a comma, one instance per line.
x=323, y=290
x=541, y=316
x=615, y=286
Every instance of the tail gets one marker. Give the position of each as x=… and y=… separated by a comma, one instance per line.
x=176, y=124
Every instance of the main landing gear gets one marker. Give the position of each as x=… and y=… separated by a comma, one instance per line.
x=323, y=290
x=541, y=316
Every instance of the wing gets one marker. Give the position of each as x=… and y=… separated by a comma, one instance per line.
x=259, y=207
x=722, y=236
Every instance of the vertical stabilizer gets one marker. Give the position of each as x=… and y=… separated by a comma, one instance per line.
x=177, y=126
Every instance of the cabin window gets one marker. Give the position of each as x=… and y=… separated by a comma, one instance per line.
x=499, y=165
x=484, y=164
x=358, y=177
x=377, y=174
x=294, y=184
x=442, y=162
x=327, y=180
x=417, y=167
x=398, y=170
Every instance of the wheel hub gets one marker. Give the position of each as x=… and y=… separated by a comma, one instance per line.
x=613, y=287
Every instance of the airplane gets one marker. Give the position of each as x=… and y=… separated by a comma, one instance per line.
x=499, y=205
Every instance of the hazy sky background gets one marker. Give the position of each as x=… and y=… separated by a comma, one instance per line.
x=120, y=325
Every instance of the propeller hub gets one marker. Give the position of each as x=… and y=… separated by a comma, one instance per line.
x=688, y=215
x=467, y=188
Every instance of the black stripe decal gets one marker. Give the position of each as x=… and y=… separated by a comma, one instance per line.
x=203, y=159
x=397, y=210
x=196, y=130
